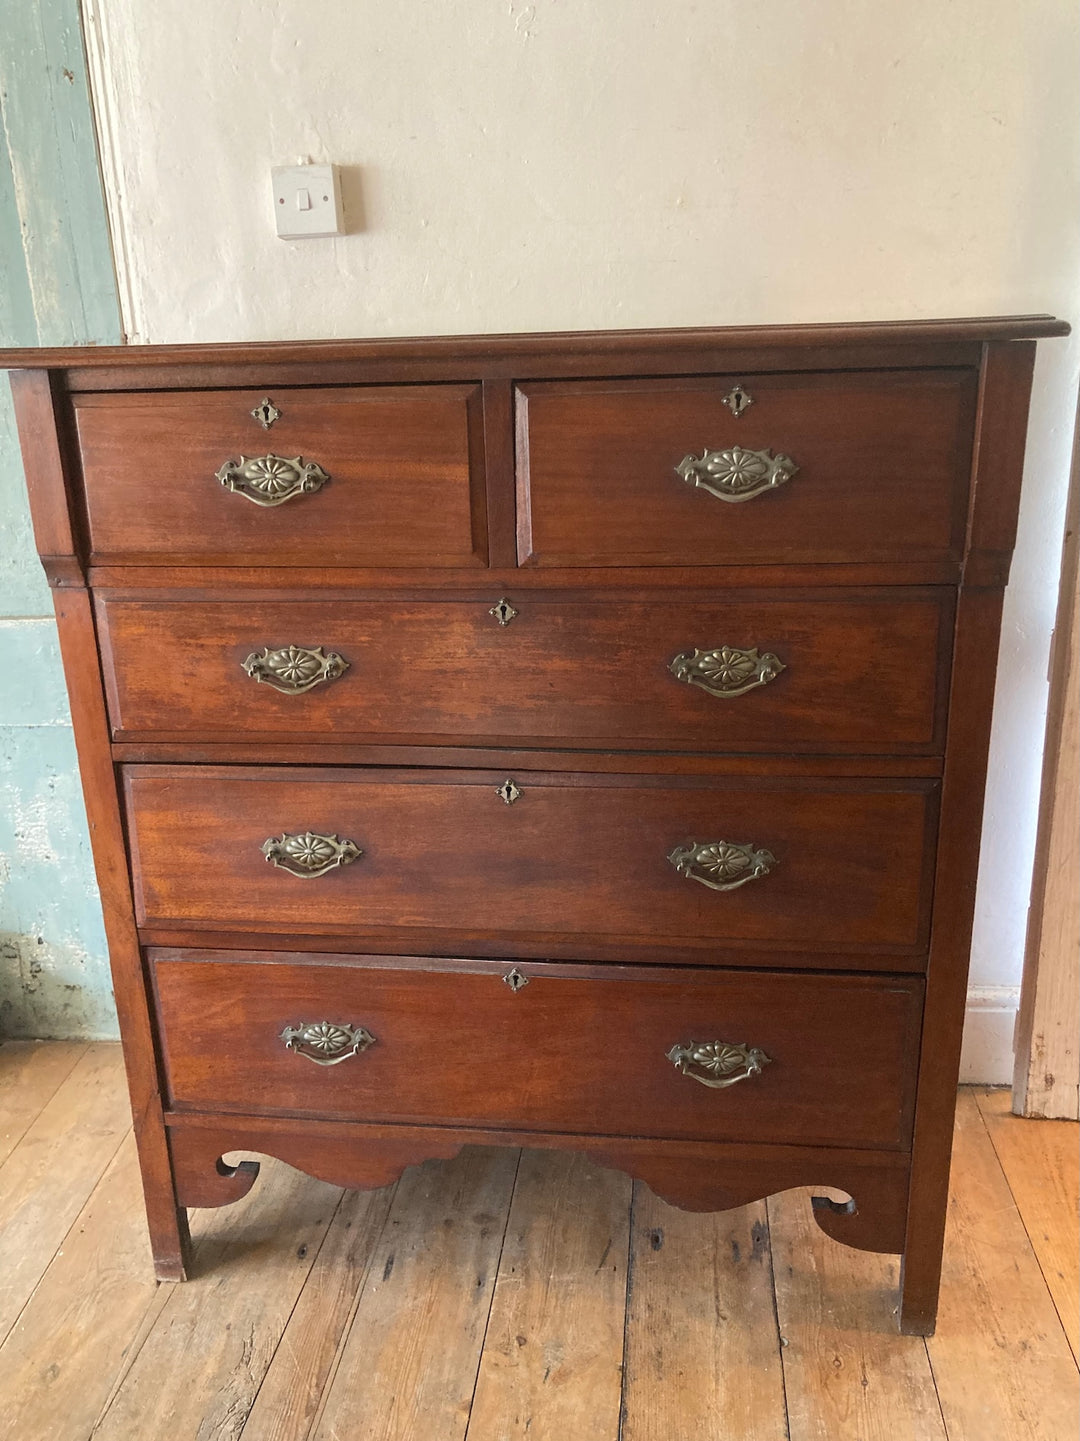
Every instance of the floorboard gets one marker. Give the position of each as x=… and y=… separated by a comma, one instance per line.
x=306, y=1359
x=848, y=1373
x=70, y=1343
x=551, y=1367
x=200, y=1368
x=507, y=1297
x=408, y=1368
x=1041, y=1162
x=1001, y=1360
x=50, y=1173
x=702, y=1350
x=31, y=1072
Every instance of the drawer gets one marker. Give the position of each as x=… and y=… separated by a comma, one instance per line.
x=825, y=671
x=166, y=478
x=882, y=462
x=593, y=858
x=574, y=1049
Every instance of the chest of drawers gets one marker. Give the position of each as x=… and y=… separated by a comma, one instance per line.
x=568, y=741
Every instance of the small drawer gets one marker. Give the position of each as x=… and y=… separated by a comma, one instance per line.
x=844, y=466
x=583, y=858
x=372, y=476
x=825, y=671
x=809, y=1059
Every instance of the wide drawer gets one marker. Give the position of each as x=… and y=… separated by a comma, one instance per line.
x=824, y=670
x=809, y=864
x=193, y=476
x=614, y=1050
x=831, y=467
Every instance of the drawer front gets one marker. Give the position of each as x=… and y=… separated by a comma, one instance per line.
x=610, y=1052
x=165, y=481
x=881, y=463
x=823, y=671
x=608, y=858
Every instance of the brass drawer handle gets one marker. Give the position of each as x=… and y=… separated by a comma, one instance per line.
x=736, y=474
x=309, y=855
x=724, y=1063
x=294, y=668
x=271, y=479
x=728, y=671
x=325, y=1043
x=721, y=865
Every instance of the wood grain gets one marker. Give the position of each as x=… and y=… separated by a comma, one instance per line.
x=882, y=469
x=861, y=674
x=847, y=1375
x=581, y=1053
x=239, y=751
x=73, y=1338
x=957, y=864
x=45, y=1180
x=97, y=1341
x=400, y=490
x=34, y=393
x=30, y=1074
x=1002, y=1363
x=576, y=855
x=251, y=1264
x=408, y=1368
x=702, y=1350
x=692, y=582
x=552, y=1361
x=1042, y=1167
x=922, y=335
x=909, y=442
x=78, y=647
x=303, y=1364
x=694, y=1175
x=1046, y=1077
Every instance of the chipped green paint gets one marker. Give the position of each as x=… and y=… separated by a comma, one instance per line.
x=58, y=289
x=52, y=160
x=53, y=971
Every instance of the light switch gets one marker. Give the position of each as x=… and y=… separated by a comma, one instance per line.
x=307, y=201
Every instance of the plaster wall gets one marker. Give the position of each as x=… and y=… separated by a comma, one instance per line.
x=581, y=163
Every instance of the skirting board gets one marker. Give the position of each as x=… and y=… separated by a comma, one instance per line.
x=987, y=1055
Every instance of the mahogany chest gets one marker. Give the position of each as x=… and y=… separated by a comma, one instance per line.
x=558, y=740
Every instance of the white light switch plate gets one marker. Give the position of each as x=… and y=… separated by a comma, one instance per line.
x=307, y=201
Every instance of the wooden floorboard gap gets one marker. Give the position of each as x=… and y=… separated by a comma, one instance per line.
x=491, y=1303
x=629, y=1296
x=289, y=1318
x=358, y=1295
x=780, y=1341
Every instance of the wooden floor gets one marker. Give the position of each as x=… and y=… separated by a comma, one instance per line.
x=512, y=1295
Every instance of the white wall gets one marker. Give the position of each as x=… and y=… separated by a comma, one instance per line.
x=610, y=163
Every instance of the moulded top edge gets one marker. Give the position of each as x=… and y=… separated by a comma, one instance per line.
x=588, y=342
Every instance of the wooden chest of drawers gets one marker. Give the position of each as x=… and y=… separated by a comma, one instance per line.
x=551, y=740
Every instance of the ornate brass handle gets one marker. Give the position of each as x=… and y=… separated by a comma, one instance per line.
x=309, y=855
x=271, y=479
x=736, y=474
x=724, y=1063
x=325, y=1043
x=294, y=668
x=721, y=865
x=727, y=671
